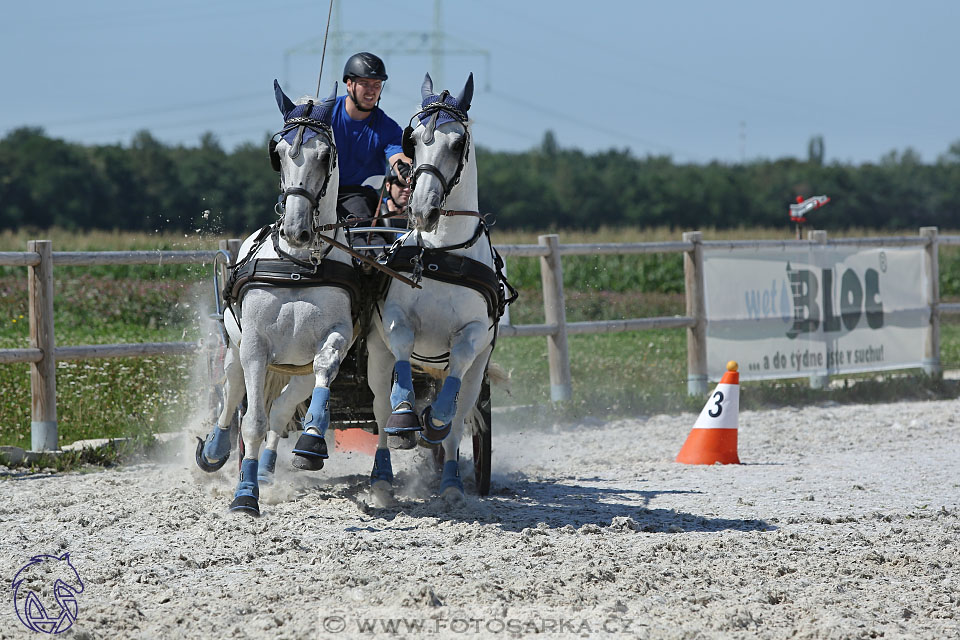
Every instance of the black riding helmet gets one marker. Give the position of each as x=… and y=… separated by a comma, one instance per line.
x=364, y=65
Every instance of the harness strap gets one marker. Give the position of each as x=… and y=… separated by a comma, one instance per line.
x=440, y=265
x=282, y=273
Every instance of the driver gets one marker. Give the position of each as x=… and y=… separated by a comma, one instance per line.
x=365, y=136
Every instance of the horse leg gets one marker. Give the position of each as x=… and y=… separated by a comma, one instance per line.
x=378, y=378
x=402, y=418
x=311, y=448
x=284, y=406
x=465, y=345
x=451, y=486
x=253, y=426
x=213, y=453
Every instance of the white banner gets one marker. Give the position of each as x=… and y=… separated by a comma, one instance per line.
x=784, y=312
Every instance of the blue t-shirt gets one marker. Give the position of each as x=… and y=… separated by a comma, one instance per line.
x=363, y=146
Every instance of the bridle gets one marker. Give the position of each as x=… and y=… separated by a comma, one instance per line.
x=428, y=116
x=323, y=130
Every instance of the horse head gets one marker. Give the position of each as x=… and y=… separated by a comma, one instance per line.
x=304, y=152
x=439, y=145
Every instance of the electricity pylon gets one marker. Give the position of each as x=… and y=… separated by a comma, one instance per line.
x=435, y=43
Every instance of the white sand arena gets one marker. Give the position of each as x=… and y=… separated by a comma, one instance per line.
x=842, y=522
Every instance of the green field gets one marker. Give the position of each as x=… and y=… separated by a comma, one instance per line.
x=613, y=374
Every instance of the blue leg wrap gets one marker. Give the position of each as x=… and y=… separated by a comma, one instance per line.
x=267, y=466
x=318, y=415
x=445, y=406
x=382, y=469
x=451, y=476
x=217, y=447
x=402, y=390
x=247, y=487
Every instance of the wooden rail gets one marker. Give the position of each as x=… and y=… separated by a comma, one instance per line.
x=43, y=353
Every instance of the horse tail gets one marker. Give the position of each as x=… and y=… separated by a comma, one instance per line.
x=498, y=376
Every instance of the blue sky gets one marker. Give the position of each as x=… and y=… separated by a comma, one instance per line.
x=698, y=80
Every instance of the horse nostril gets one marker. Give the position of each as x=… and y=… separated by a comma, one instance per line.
x=303, y=237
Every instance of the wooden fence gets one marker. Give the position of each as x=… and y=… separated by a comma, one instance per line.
x=43, y=353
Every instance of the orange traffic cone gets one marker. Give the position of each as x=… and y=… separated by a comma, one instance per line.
x=713, y=438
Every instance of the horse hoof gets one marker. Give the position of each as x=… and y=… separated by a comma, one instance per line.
x=205, y=464
x=381, y=494
x=432, y=435
x=453, y=496
x=404, y=421
x=303, y=463
x=406, y=440
x=246, y=504
x=309, y=452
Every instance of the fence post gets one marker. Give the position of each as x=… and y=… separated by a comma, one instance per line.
x=818, y=380
x=554, y=311
x=696, y=309
x=231, y=246
x=43, y=374
x=931, y=344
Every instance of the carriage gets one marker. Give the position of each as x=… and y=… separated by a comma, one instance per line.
x=351, y=401
x=310, y=313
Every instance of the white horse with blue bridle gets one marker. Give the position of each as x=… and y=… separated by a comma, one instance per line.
x=449, y=324
x=297, y=301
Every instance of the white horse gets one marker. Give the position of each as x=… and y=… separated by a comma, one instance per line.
x=295, y=315
x=451, y=321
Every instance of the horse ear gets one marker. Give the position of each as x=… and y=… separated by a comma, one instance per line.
x=333, y=95
x=286, y=104
x=426, y=89
x=463, y=100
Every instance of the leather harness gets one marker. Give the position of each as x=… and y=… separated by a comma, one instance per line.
x=438, y=264
x=283, y=273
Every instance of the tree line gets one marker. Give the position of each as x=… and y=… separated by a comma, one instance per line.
x=148, y=185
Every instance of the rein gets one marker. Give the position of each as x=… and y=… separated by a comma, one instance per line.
x=320, y=128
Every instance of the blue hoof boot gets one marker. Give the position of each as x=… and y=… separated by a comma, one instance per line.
x=247, y=497
x=213, y=452
x=433, y=434
x=382, y=469
x=402, y=420
x=310, y=452
x=267, y=467
x=450, y=482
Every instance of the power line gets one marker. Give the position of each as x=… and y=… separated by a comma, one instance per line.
x=618, y=134
x=158, y=111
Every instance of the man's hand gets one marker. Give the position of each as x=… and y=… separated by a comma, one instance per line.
x=399, y=160
x=403, y=171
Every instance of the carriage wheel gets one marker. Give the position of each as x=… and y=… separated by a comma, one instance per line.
x=482, y=443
